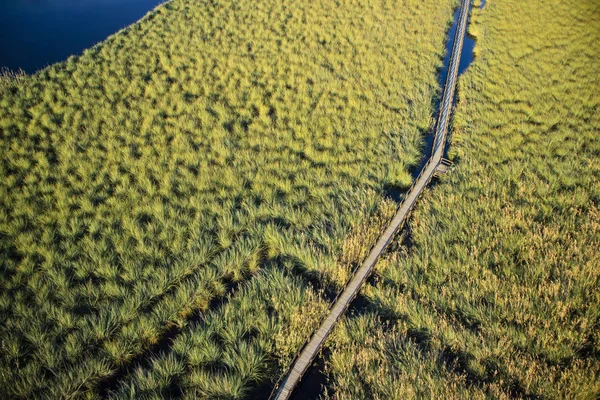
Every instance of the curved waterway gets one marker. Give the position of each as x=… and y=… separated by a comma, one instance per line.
x=37, y=33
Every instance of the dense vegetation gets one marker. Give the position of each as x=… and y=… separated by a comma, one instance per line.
x=189, y=176
x=496, y=293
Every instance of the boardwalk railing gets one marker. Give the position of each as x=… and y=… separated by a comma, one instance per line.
x=304, y=357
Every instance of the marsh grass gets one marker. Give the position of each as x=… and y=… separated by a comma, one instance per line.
x=146, y=178
x=10, y=79
x=233, y=348
x=498, y=296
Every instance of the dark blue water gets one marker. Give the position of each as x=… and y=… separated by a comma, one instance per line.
x=36, y=33
x=466, y=56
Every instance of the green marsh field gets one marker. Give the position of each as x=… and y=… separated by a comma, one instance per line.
x=179, y=202
x=176, y=202
x=495, y=293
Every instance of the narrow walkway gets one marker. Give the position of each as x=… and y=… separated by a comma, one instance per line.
x=339, y=306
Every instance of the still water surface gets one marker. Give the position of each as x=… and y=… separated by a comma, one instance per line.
x=36, y=33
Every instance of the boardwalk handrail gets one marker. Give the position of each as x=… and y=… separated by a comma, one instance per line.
x=451, y=77
x=426, y=174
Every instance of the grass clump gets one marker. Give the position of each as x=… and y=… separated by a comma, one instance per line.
x=144, y=179
x=232, y=348
x=10, y=79
x=498, y=295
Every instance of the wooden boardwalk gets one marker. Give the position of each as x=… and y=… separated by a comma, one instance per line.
x=435, y=165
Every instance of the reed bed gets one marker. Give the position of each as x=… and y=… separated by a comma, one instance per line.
x=213, y=145
x=497, y=293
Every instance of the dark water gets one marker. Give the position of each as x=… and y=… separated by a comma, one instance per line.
x=36, y=33
x=314, y=382
x=466, y=56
